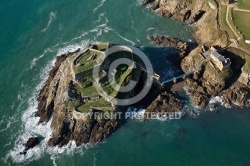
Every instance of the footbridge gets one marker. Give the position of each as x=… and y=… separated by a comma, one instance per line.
x=183, y=76
x=147, y=68
x=150, y=70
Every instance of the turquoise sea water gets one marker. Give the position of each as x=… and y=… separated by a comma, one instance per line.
x=33, y=33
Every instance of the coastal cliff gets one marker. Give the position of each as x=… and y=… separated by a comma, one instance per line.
x=67, y=124
x=202, y=15
x=231, y=84
x=62, y=98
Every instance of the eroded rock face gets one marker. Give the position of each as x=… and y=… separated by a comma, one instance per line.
x=66, y=124
x=45, y=108
x=238, y=94
x=197, y=93
x=165, y=102
x=144, y=2
x=203, y=13
x=245, y=79
x=206, y=82
x=82, y=132
x=31, y=143
x=182, y=47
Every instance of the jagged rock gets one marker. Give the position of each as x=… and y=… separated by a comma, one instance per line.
x=206, y=29
x=144, y=2
x=197, y=16
x=238, y=94
x=212, y=106
x=179, y=45
x=197, y=93
x=31, y=143
x=155, y=5
x=67, y=125
x=45, y=109
x=165, y=102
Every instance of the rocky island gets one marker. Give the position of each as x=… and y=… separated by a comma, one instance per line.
x=226, y=72
x=217, y=66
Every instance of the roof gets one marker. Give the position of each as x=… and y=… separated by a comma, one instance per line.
x=221, y=58
x=218, y=56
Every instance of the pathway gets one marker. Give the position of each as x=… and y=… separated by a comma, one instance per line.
x=230, y=26
x=184, y=75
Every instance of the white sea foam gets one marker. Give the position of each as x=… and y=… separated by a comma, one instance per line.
x=53, y=158
x=100, y=5
x=100, y=17
x=149, y=29
x=7, y=127
x=47, y=50
x=137, y=114
x=8, y=144
x=34, y=61
x=216, y=99
x=52, y=16
x=131, y=18
x=127, y=40
x=95, y=160
x=138, y=3
x=30, y=122
x=2, y=120
x=98, y=30
x=72, y=47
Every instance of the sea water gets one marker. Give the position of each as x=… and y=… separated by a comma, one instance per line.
x=33, y=33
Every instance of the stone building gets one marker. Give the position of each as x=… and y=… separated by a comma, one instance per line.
x=220, y=61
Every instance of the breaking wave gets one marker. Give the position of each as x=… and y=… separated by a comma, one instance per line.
x=30, y=127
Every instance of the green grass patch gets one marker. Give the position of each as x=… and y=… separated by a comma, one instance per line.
x=244, y=4
x=231, y=22
x=95, y=103
x=242, y=22
x=85, y=63
x=102, y=46
x=223, y=22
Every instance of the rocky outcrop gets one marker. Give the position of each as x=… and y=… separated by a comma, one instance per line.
x=82, y=131
x=207, y=81
x=203, y=13
x=31, y=143
x=182, y=47
x=155, y=5
x=238, y=94
x=45, y=109
x=165, y=102
x=66, y=124
x=245, y=78
x=197, y=93
x=144, y=2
